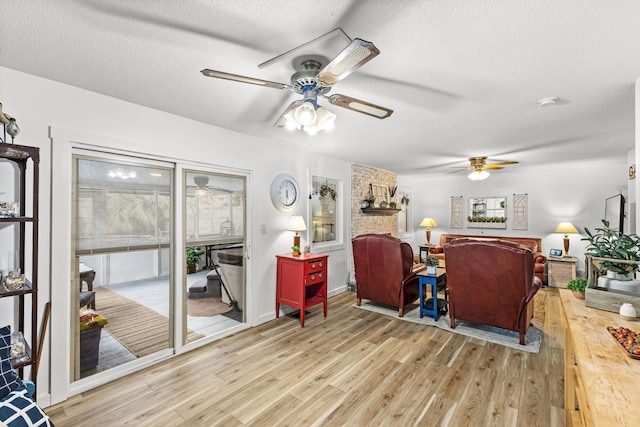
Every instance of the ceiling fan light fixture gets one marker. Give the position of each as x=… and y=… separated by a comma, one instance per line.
x=305, y=114
x=478, y=175
x=325, y=119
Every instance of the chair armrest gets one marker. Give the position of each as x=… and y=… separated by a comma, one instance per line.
x=539, y=258
x=436, y=250
x=413, y=275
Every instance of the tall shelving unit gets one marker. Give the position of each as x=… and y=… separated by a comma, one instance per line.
x=26, y=220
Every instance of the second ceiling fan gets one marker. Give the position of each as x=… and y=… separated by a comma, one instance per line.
x=479, y=166
x=314, y=77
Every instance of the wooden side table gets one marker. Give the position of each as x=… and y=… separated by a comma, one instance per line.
x=424, y=249
x=301, y=282
x=560, y=270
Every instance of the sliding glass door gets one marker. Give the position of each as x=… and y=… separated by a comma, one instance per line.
x=214, y=235
x=122, y=290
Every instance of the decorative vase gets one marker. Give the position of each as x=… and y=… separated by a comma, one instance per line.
x=579, y=295
x=627, y=311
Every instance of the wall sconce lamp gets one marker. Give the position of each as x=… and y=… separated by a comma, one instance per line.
x=297, y=224
x=566, y=228
x=428, y=222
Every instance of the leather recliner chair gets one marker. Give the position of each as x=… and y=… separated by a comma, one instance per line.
x=491, y=283
x=385, y=271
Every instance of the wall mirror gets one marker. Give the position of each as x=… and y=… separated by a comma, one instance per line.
x=487, y=212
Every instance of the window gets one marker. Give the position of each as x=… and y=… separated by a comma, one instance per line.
x=324, y=202
x=121, y=206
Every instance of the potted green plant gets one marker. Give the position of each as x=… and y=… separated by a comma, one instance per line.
x=369, y=200
x=193, y=257
x=432, y=263
x=609, y=243
x=577, y=286
x=295, y=250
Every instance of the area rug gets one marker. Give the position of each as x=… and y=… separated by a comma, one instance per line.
x=532, y=341
x=206, y=307
x=140, y=329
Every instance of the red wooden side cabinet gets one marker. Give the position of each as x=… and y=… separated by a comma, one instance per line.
x=301, y=282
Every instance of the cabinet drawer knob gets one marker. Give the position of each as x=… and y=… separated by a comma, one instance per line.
x=313, y=265
x=320, y=275
x=313, y=277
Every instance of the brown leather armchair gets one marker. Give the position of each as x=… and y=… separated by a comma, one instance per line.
x=384, y=269
x=492, y=283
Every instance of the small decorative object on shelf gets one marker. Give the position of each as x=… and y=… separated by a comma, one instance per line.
x=628, y=311
x=295, y=250
x=13, y=129
x=14, y=280
x=18, y=347
x=307, y=249
x=392, y=191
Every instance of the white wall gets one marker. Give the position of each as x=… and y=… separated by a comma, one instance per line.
x=43, y=106
x=573, y=192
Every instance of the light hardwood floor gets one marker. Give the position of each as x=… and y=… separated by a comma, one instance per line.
x=354, y=368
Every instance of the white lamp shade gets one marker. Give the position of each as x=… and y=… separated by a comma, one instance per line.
x=297, y=224
x=305, y=114
x=428, y=222
x=325, y=119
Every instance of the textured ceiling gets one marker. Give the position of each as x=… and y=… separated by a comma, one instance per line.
x=463, y=77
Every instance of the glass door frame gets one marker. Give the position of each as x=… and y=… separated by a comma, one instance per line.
x=76, y=284
x=180, y=173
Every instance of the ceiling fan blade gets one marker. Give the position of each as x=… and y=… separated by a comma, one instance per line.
x=494, y=166
x=460, y=170
x=502, y=163
x=360, y=106
x=354, y=56
x=243, y=79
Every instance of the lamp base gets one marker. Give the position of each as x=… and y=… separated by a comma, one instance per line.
x=296, y=241
x=566, y=247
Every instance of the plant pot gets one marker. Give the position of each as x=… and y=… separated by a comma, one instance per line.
x=432, y=269
x=579, y=295
x=295, y=253
x=191, y=269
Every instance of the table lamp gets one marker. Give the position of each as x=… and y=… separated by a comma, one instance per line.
x=297, y=224
x=566, y=228
x=428, y=222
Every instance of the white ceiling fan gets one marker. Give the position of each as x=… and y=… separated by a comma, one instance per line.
x=314, y=77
